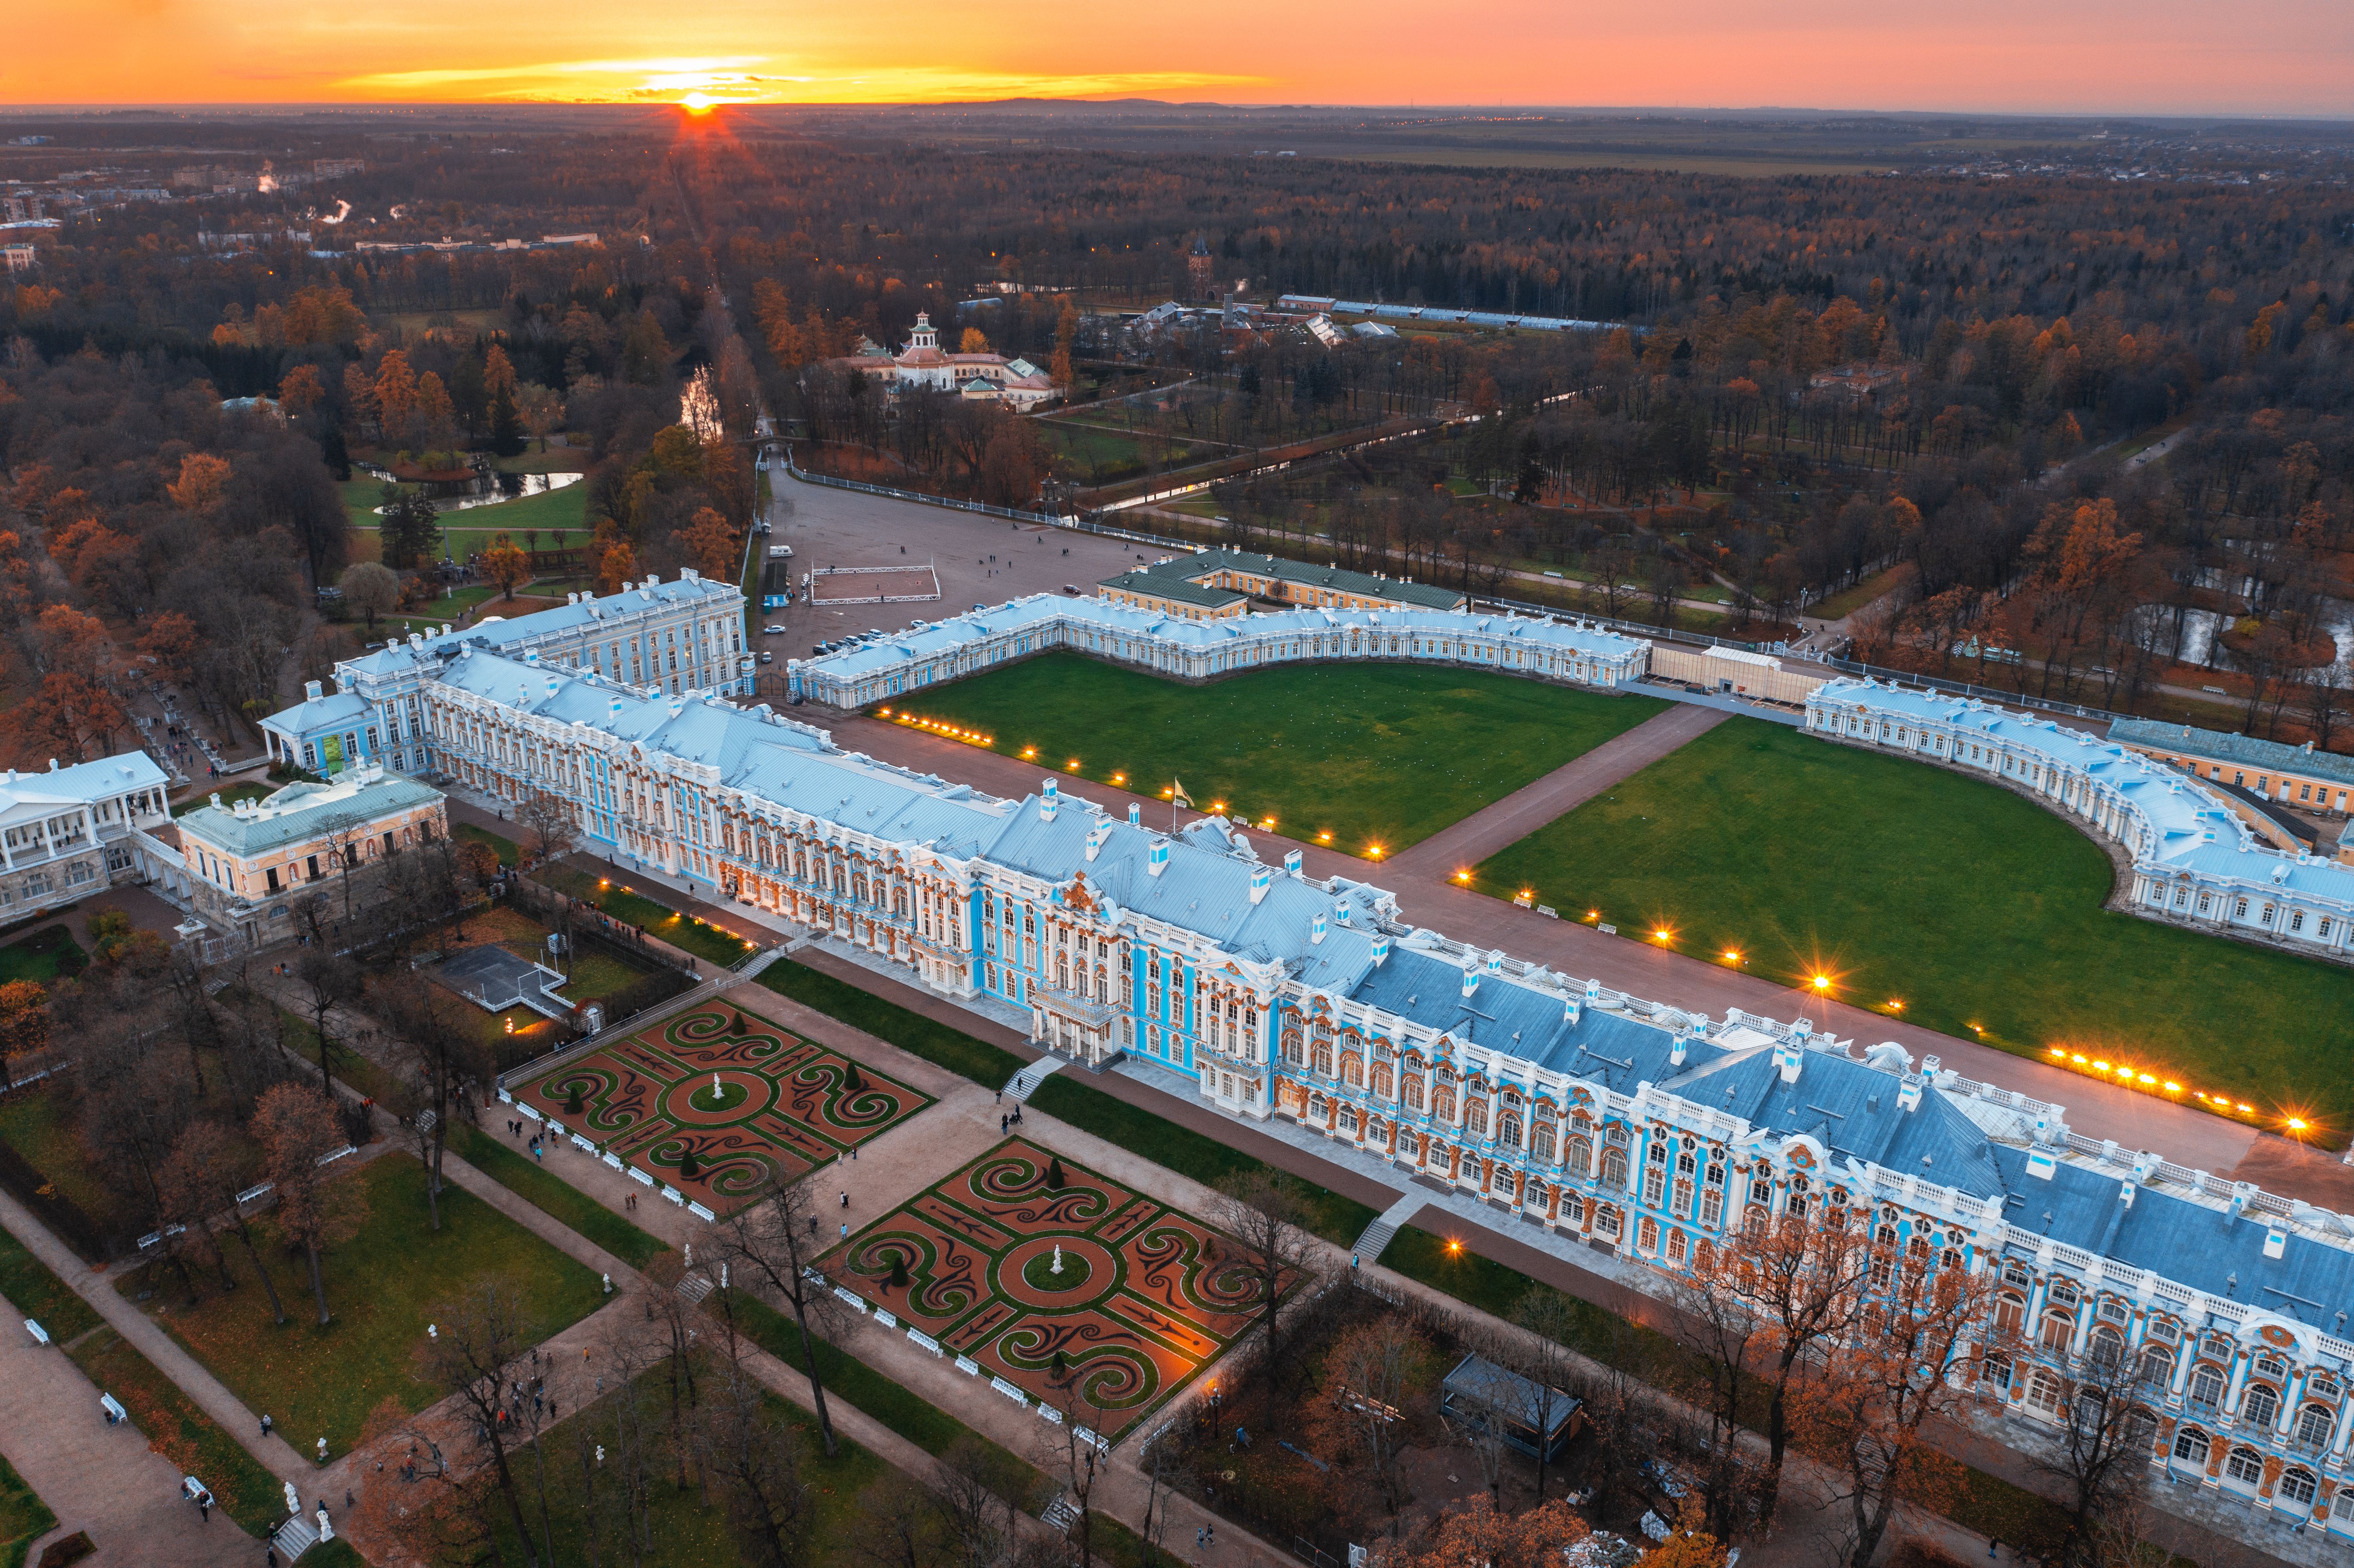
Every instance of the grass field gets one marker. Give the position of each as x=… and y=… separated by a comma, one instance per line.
x=1852, y=600
x=1978, y=910
x=24, y=1518
x=38, y=956
x=1356, y=756
x=937, y=1044
x=38, y=1125
x=382, y=1289
x=543, y=1190
x=626, y=904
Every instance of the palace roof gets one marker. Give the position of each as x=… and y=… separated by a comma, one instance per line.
x=2243, y=750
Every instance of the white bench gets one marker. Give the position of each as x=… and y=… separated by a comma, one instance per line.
x=115, y=1415
x=40, y=1335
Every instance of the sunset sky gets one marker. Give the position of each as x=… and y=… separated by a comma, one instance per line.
x=2181, y=57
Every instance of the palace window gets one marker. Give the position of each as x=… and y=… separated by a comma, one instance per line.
x=2244, y=1465
x=1614, y=1169
x=1676, y=1246
x=1648, y=1238
x=1507, y=1130
x=2057, y=1330
x=2156, y=1368
x=1414, y=1094
x=1475, y=1118
x=2190, y=1443
x=2009, y=1313
x=1541, y=1141
x=1579, y=1154
x=2108, y=1348
x=2313, y=1425
x=2207, y=1384
x=2259, y=1405
x=2043, y=1396
x=2240, y=909
x=2297, y=1487
x=1442, y=1105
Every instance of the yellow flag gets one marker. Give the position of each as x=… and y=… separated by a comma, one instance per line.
x=1177, y=794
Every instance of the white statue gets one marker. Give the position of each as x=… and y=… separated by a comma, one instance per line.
x=716, y=1095
x=326, y=1529
x=1058, y=1259
x=431, y=1332
x=293, y=1500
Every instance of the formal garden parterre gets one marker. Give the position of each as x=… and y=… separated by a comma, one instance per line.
x=1089, y=1296
x=721, y=1107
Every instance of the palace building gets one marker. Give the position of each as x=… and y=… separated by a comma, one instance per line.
x=72, y=831
x=2196, y=860
x=1218, y=583
x=683, y=636
x=241, y=862
x=924, y=365
x=1616, y=1122
x=1187, y=648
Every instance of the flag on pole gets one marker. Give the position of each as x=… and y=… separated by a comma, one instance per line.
x=1177, y=796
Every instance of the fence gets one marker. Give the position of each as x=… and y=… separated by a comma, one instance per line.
x=1966, y=689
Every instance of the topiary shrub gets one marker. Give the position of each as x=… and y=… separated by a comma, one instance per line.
x=1054, y=1173
x=851, y=1080
x=898, y=1272
x=572, y=1101
x=689, y=1167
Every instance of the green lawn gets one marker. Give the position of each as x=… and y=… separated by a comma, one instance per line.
x=1972, y=906
x=1337, y=1220
x=1357, y=755
x=40, y=1295
x=984, y=1064
x=687, y=1529
x=24, y=1518
x=176, y=1428
x=543, y=1190
x=634, y=908
x=849, y=1380
x=507, y=848
x=39, y=954
x=1850, y=600
x=382, y=1288
x=38, y=1124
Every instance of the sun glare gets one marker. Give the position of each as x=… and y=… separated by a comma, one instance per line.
x=696, y=103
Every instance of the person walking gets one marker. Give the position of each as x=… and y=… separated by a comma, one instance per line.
x=265, y=1424
x=846, y=1199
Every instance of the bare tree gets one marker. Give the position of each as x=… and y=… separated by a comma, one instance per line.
x=750, y=1457
x=200, y=1179
x=479, y=1335
x=2100, y=1453
x=1546, y=1361
x=551, y=823
x=440, y=1053
x=1262, y=1212
x=979, y=1517
x=329, y=981
x=775, y=1243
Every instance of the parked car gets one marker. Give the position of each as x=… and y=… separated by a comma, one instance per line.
x=772, y=631
x=767, y=657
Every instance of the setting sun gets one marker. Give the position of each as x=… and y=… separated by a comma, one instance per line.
x=696, y=103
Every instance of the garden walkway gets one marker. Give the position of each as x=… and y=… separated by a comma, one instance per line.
x=105, y=1480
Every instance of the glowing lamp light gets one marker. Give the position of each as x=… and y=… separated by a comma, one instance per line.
x=1119, y=778
x=1732, y=954
x=2246, y=1107
x=1073, y=766
x=1462, y=876
x=1453, y=1247
x=1324, y=837
x=2172, y=1088
x=886, y=713
x=1894, y=1005
x=2147, y=1078
x=1217, y=805
x=1822, y=983
x=1662, y=934
x=2296, y=1124
x=1375, y=850
x=2077, y=1058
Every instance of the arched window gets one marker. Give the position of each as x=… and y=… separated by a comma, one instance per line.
x=2259, y=1405
x=1579, y=1155
x=1414, y=1094
x=2246, y=1465
x=2190, y=1443
x=1324, y=1058
x=1677, y=1247
x=2156, y=1368
x=2313, y=1425
x=2108, y=1348
x=1352, y=1072
x=2057, y=1330
x=1507, y=1130
x=2009, y=1313
x=1648, y=1238
x=1541, y=1141
x=1442, y=1104
x=1613, y=1170
x=2043, y=1396
x=1475, y=1118
x=2207, y=1384
x=1382, y=1081
x=2297, y=1487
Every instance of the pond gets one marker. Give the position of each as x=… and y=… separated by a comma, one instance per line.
x=504, y=487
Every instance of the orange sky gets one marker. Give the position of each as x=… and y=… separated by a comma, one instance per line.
x=2183, y=57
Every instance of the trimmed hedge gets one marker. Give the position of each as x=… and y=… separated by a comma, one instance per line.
x=936, y=1043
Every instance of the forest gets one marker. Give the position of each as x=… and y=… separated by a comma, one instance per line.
x=1948, y=389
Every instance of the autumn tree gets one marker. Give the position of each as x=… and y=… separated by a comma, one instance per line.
x=1374, y=1373
x=1907, y=1369
x=208, y=1166
x=480, y=1334
x=1066, y=337
x=298, y=1128
x=300, y=390
x=550, y=823
x=753, y=1460
x=24, y=1019
x=616, y=564
x=1482, y=1535
x=710, y=543
x=203, y=480
x=507, y=566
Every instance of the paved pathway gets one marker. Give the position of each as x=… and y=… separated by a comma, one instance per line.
x=1524, y=810
x=102, y=1479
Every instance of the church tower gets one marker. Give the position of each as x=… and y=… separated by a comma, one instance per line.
x=1197, y=268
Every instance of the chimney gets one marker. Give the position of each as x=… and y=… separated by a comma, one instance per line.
x=1470, y=981
x=2125, y=1191
x=1681, y=1049
x=1049, y=798
x=1316, y=931
x=1158, y=860
x=53, y=765
x=1291, y=862
x=1908, y=1093
x=1930, y=1066
x=1381, y=949
x=1260, y=877
x=1096, y=837
x=1801, y=1031
x=2275, y=1239
x=417, y=640
x=613, y=710
x=1135, y=815
x=532, y=658
x=1496, y=962
x=445, y=628
x=215, y=797
x=311, y=691
x=1789, y=1059
x=1341, y=912
x=551, y=683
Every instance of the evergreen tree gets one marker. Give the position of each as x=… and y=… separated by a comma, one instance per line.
x=1054, y=1173
x=332, y=452
x=506, y=424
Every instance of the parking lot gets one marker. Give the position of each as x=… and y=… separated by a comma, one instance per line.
x=979, y=560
